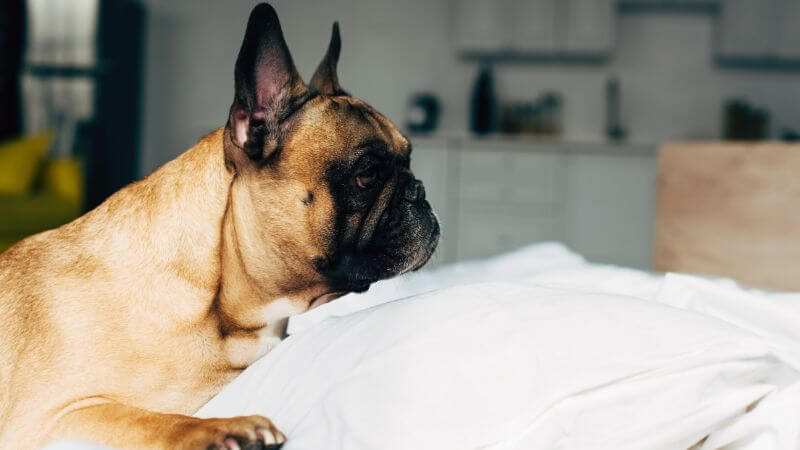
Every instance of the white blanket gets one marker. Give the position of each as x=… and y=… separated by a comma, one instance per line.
x=558, y=355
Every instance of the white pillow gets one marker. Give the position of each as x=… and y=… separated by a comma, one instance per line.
x=508, y=366
x=522, y=263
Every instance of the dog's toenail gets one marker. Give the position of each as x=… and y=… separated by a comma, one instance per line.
x=266, y=436
x=231, y=444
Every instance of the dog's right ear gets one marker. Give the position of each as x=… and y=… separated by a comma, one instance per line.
x=268, y=86
x=325, y=79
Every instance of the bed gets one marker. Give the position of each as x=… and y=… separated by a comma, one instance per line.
x=540, y=349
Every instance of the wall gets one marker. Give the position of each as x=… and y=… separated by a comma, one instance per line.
x=671, y=88
x=389, y=49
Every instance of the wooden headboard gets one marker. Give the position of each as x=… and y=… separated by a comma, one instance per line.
x=731, y=210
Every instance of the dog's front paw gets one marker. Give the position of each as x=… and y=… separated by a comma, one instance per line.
x=235, y=433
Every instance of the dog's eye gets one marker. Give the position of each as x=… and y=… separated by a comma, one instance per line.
x=367, y=177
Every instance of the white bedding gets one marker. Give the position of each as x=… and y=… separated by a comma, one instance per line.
x=534, y=350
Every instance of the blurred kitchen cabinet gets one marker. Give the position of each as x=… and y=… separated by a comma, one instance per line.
x=481, y=25
x=496, y=195
x=764, y=31
x=788, y=30
x=746, y=29
x=609, y=204
x=431, y=163
x=485, y=235
x=508, y=177
x=589, y=26
x=507, y=196
x=534, y=27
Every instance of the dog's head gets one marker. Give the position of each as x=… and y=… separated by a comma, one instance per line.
x=323, y=196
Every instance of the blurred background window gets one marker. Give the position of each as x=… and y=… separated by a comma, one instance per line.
x=71, y=89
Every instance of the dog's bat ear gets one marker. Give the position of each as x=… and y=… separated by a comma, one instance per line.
x=325, y=81
x=268, y=86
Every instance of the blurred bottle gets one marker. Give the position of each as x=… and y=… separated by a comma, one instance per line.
x=550, y=120
x=483, y=102
x=743, y=122
x=614, y=129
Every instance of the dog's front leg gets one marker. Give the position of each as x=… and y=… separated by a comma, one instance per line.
x=121, y=426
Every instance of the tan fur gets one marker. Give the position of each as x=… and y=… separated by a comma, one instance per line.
x=160, y=296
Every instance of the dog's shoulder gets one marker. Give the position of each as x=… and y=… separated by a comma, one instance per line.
x=40, y=262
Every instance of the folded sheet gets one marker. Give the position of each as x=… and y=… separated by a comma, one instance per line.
x=514, y=365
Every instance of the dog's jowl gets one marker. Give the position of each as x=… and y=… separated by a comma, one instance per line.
x=116, y=327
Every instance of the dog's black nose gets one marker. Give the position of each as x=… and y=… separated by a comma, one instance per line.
x=414, y=191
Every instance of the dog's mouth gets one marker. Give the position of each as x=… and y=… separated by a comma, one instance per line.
x=325, y=298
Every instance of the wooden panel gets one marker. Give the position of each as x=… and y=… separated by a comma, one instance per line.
x=730, y=210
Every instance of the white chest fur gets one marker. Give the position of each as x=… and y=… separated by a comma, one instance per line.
x=242, y=349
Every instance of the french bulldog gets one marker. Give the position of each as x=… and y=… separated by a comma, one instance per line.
x=118, y=326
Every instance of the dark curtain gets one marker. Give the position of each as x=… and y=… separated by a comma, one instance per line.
x=113, y=160
x=12, y=48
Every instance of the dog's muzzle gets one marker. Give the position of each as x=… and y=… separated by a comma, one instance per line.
x=405, y=237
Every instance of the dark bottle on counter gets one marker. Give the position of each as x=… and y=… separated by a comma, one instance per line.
x=483, y=102
x=614, y=129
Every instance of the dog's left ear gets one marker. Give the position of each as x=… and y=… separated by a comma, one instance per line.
x=268, y=87
x=325, y=81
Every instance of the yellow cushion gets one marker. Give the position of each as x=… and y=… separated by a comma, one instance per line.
x=19, y=160
x=64, y=178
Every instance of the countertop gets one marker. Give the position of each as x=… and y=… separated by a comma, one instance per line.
x=500, y=142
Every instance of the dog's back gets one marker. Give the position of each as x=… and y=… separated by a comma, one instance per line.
x=23, y=331
x=68, y=298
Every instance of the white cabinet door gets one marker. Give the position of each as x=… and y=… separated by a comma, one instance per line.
x=788, y=30
x=746, y=30
x=485, y=234
x=522, y=182
x=589, y=26
x=481, y=25
x=430, y=163
x=609, y=207
x=509, y=195
x=535, y=26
